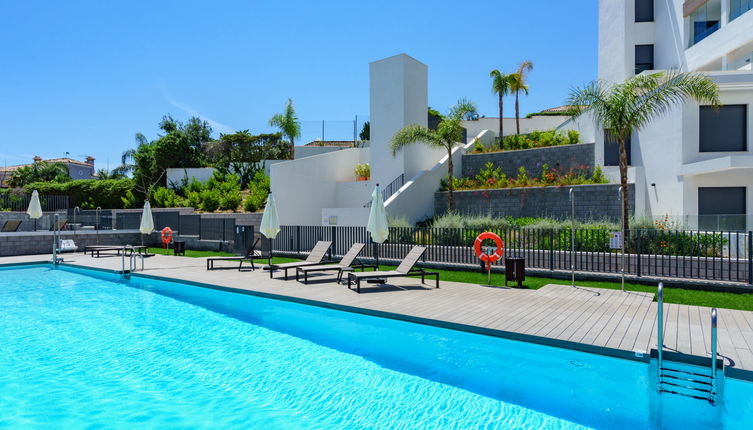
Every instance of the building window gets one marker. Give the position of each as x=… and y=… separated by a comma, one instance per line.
x=644, y=58
x=644, y=10
x=721, y=208
x=612, y=150
x=739, y=7
x=723, y=129
x=704, y=19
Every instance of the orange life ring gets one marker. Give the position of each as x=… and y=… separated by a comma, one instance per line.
x=167, y=236
x=489, y=259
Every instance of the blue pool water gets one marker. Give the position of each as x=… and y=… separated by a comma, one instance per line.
x=81, y=348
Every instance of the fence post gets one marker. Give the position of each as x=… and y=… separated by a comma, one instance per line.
x=298, y=239
x=638, y=264
x=333, y=249
x=750, y=257
x=551, y=249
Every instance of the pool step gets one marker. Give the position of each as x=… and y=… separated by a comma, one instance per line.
x=690, y=383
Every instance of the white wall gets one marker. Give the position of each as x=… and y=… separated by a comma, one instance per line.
x=527, y=125
x=309, y=151
x=398, y=97
x=345, y=216
x=176, y=175
x=303, y=187
x=353, y=193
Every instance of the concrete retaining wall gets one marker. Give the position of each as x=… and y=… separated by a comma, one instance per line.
x=591, y=202
x=40, y=242
x=563, y=158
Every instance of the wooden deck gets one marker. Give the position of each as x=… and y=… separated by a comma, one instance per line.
x=590, y=319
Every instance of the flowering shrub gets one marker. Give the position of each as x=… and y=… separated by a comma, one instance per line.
x=492, y=177
x=534, y=139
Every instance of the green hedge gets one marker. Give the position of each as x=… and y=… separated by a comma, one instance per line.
x=87, y=193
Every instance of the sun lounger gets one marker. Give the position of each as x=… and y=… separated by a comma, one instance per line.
x=67, y=245
x=99, y=249
x=59, y=225
x=316, y=256
x=251, y=254
x=11, y=226
x=405, y=269
x=345, y=265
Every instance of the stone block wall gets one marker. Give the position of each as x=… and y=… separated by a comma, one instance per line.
x=40, y=242
x=563, y=158
x=591, y=202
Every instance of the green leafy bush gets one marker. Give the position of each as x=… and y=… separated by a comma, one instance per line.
x=258, y=192
x=210, y=200
x=88, y=193
x=167, y=198
x=538, y=139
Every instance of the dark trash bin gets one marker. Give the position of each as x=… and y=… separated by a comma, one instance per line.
x=515, y=270
x=179, y=247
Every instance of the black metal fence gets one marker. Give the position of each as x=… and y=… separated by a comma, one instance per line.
x=15, y=202
x=218, y=229
x=722, y=256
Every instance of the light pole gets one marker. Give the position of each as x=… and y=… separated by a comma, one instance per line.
x=572, y=236
x=622, y=244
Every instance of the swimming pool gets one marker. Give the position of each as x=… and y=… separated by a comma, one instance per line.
x=79, y=347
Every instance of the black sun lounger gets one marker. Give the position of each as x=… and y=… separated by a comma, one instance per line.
x=345, y=265
x=405, y=269
x=316, y=256
x=252, y=253
x=11, y=226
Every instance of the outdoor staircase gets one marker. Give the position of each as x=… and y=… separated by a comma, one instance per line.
x=683, y=379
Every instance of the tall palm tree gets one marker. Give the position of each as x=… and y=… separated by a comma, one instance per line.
x=447, y=135
x=288, y=124
x=518, y=83
x=627, y=107
x=501, y=87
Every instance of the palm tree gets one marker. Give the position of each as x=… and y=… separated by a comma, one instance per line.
x=627, y=107
x=447, y=135
x=519, y=83
x=288, y=124
x=500, y=86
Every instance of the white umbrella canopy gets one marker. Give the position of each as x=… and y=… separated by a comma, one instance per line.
x=35, y=207
x=270, y=223
x=377, y=225
x=147, y=221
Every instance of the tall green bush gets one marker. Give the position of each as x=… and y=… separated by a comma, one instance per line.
x=87, y=193
x=258, y=192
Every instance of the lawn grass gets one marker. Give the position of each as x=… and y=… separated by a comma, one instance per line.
x=741, y=301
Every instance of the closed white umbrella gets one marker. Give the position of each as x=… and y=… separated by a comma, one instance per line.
x=377, y=225
x=270, y=223
x=147, y=221
x=35, y=208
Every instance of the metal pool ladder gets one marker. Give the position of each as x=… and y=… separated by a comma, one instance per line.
x=132, y=265
x=686, y=382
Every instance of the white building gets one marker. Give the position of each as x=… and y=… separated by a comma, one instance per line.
x=323, y=189
x=694, y=161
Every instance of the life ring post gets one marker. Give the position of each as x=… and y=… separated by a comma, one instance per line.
x=167, y=236
x=489, y=258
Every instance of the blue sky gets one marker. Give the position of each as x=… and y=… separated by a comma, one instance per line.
x=84, y=76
